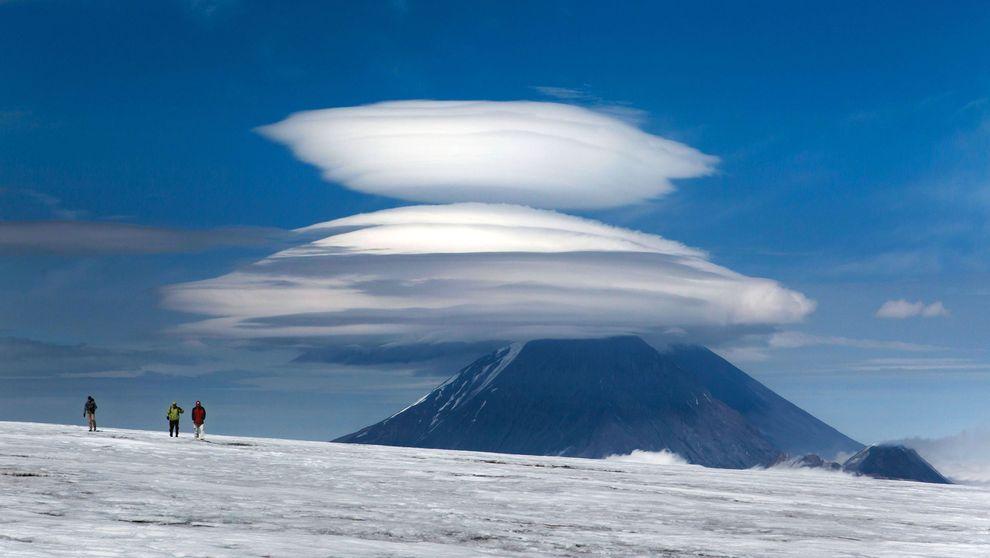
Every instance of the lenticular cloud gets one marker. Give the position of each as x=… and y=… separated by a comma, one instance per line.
x=539, y=154
x=478, y=271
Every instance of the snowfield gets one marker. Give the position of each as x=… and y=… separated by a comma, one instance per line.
x=67, y=492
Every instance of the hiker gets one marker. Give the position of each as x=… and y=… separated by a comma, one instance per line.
x=173, y=418
x=199, y=417
x=89, y=411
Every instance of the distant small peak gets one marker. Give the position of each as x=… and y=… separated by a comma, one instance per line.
x=893, y=461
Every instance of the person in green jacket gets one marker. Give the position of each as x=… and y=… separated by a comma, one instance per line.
x=173, y=418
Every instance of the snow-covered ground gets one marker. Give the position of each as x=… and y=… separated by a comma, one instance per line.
x=67, y=492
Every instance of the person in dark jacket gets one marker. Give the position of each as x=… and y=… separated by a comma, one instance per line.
x=89, y=411
x=199, y=420
x=172, y=415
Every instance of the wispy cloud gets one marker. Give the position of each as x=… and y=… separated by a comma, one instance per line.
x=583, y=97
x=796, y=339
x=35, y=359
x=921, y=365
x=28, y=358
x=97, y=237
x=47, y=205
x=207, y=10
x=902, y=309
x=477, y=272
x=976, y=104
x=540, y=154
x=566, y=93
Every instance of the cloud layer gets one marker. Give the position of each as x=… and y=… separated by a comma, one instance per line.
x=100, y=237
x=546, y=155
x=474, y=271
x=902, y=309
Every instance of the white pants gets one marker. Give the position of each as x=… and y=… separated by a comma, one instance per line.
x=201, y=431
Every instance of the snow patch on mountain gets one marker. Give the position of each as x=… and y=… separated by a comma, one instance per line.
x=480, y=381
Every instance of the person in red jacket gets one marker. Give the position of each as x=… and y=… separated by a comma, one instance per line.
x=199, y=420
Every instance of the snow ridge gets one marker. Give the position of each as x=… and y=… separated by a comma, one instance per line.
x=505, y=357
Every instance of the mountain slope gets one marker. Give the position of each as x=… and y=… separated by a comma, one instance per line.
x=788, y=427
x=581, y=398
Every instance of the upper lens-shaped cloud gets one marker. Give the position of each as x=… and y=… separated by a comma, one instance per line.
x=481, y=272
x=539, y=154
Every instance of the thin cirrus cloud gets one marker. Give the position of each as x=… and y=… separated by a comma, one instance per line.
x=796, y=340
x=902, y=309
x=547, y=155
x=473, y=271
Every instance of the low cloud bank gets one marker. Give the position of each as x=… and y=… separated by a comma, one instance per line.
x=470, y=272
x=547, y=155
x=963, y=457
x=662, y=457
x=28, y=358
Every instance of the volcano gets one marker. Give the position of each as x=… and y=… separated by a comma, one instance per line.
x=599, y=397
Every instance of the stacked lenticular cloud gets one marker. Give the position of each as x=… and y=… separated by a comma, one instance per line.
x=544, y=155
x=470, y=271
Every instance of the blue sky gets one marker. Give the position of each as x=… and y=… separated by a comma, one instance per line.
x=853, y=142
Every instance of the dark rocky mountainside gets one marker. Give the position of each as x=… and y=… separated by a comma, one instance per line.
x=598, y=397
x=788, y=427
x=813, y=461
